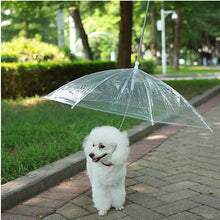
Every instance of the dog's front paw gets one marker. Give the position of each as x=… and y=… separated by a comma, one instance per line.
x=120, y=208
x=102, y=212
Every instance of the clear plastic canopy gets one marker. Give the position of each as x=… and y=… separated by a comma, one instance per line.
x=130, y=92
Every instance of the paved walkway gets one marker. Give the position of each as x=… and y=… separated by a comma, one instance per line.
x=178, y=179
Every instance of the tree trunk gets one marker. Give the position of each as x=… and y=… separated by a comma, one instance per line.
x=124, y=48
x=176, y=42
x=27, y=28
x=79, y=26
x=153, y=44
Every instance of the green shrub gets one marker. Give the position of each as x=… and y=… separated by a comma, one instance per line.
x=9, y=58
x=28, y=79
x=32, y=50
x=146, y=66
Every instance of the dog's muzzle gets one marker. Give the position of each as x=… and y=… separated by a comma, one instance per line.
x=92, y=155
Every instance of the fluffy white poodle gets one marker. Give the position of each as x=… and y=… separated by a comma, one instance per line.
x=107, y=150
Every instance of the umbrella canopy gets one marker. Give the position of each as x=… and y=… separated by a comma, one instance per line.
x=130, y=92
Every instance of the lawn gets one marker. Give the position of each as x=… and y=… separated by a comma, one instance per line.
x=188, y=70
x=36, y=133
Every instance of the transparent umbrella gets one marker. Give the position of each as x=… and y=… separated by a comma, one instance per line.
x=130, y=92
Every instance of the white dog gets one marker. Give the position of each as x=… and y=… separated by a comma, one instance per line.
x=107, y=150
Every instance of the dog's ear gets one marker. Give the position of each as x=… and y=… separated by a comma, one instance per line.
x=122, y=150
x=87, y=145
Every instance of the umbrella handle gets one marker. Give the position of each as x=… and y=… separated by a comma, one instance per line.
x=142, y=34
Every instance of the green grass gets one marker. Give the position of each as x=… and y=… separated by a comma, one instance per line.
x=36, y=133
x=188, y=70
x=192, y=88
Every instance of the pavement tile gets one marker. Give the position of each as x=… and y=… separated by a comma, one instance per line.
x=130, y=182
x=156, y=159
x=132, y=174
x=82, y=200
x=140, y=163
x=158, y=165
x=179, y=177
x=183, y=216
x=6, y=216
x=58, y=195
x=145, y=188
x=203, y=189
x=111, y=215
x=71, y=211
x=207, y=173
x=209, y=166
x=182, y=169
x=176, y=207
x=139, y=212
x=154, y=173
x=30, y=210
x=152, y=181
x=144, y=200
x=55, y=217
x=180, y=186
x=204, y=159
x=179, y=195
x=42, y=202
x=90, y=208
x=208, y=200
x=206, y=212
x=126, y=218
x=181, y=163
x=206, y=181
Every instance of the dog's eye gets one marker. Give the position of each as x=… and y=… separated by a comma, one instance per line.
x=101, y=146
x=93, y=145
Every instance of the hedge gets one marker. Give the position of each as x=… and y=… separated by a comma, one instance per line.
x=9, y=58
x=26, y=79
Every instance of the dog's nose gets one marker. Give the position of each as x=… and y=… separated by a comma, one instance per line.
x=91, y=155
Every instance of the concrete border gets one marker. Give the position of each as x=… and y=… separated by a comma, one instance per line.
x=48, y=176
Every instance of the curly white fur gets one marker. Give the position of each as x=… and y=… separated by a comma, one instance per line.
x=107, y=150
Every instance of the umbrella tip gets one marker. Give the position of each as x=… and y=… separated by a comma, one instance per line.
x=136, y=65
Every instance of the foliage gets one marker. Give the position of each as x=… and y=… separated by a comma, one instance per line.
x=102, y=24
x=32, y=50
x=29, y=19
x=147, y=66
x=199, y=23
x=36, y=133
x=29, y=79
x=9, y=58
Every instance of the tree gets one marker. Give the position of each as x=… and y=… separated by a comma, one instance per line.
x=75, y=14
x=29, y=19
x=153, y=44
x=124, y=48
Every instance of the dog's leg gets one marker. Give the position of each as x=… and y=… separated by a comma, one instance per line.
x=101, y=199
x=118, y=196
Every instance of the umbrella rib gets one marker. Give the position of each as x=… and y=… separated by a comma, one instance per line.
x=149, y=102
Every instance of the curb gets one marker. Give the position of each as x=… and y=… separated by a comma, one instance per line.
x=37, y=181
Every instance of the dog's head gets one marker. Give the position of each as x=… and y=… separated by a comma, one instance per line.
x=107, y=144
